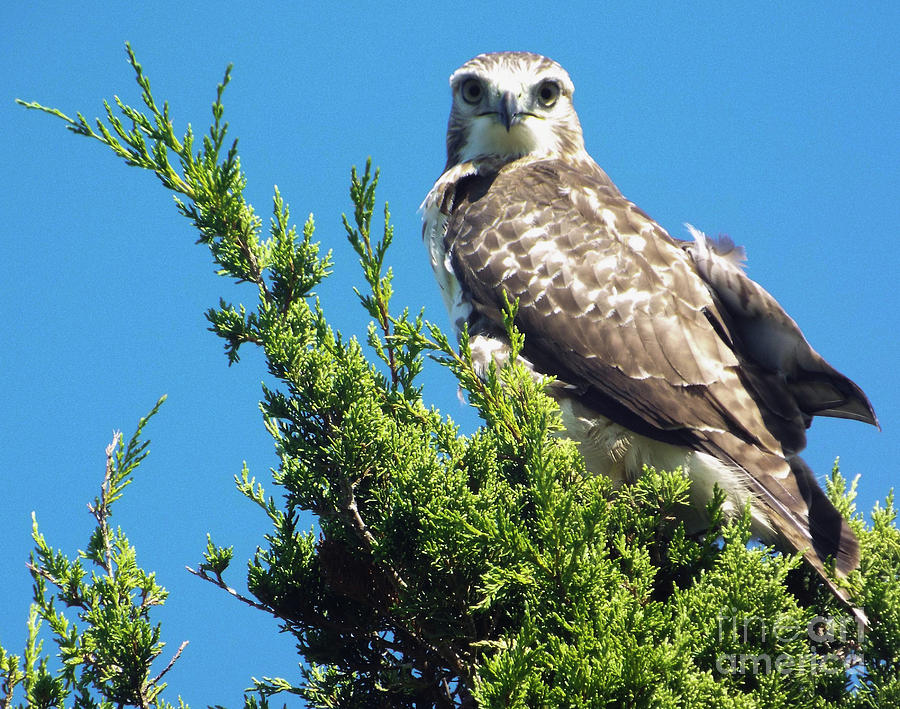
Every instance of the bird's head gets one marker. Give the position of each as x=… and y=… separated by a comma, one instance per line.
x=511, y=105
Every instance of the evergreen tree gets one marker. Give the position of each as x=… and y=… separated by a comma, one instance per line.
x=449, y=570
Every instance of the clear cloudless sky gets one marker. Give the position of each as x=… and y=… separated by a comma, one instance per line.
x=778, y=124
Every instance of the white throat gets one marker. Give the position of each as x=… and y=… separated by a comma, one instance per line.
x=488, y=137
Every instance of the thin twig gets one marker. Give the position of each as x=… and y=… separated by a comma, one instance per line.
x=321, y=622
x=168, y=667
x=220, y=582
x=8, y=686
x=362, y=531
x=101, y=511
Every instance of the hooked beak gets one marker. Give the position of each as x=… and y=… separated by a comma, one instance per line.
x=507, y=111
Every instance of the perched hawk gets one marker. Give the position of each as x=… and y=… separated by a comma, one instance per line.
x=664, y=352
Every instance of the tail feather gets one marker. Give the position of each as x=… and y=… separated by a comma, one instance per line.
x=805, y=520
x=831, y=534
x=792, y=511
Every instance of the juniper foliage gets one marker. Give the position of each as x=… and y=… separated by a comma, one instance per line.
x=453, y=570
x=107, y=660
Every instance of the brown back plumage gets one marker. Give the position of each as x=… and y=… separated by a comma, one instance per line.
x=668, y=339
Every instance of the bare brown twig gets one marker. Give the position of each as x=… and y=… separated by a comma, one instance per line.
x=172, y=662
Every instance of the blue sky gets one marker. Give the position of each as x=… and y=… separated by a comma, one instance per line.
x=777, y=125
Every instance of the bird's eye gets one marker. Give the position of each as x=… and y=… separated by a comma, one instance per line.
x=471, y=91
x=548, y=93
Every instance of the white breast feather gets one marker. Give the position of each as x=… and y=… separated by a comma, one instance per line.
x=435, y=228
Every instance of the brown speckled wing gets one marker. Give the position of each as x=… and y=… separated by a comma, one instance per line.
x=611, y=305
x=608, y=301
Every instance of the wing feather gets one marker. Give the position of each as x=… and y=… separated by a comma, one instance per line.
x=772, y=338
x=652, y=333
x=647, y=319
